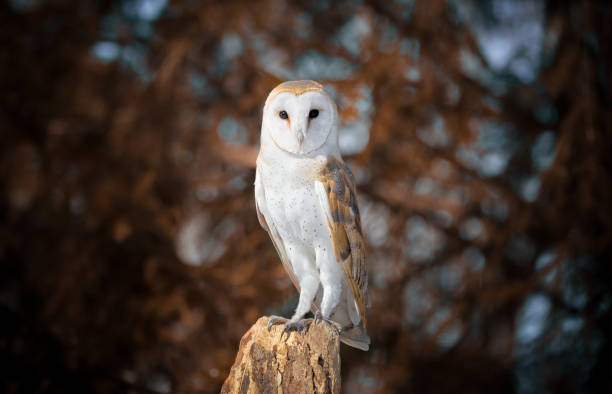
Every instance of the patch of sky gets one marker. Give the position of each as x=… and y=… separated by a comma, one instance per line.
x=388, y=38
x=331, y=90
x=134, y=57
x=450, y=335
x=375, y=222
x=489, y=165
x=271, y=59
x=143, y=29
x=471, y=228
x=526, y=376
x=543, y=150
x=494, y=136
x=303, y=25
x=511, y=37
x=352, y=33
x=473, y=68
x=425, y=186
x=543, y=261
x=442, y=218
x=201, y=86
x=236, y=184
x=354, y=137
x=231, y=46
x=435, y=134
x=410, y=46
x=495, y=208
x=211, y=250
x=148, y=10
x=570, y=338
x=368, y=383
x=453, y=94
x=475, y=258
x=413, y=74
x=206, y=193
x=450, y=277
x=492, y=151
x=532, y=318
x=106, y=51
x=529, y=188
x=407, y=8
x=574, y=287
x=197, y=243
x=320, y=5
x=572, y=324
x=569, y=345
x=231, y=131
x=315, y=65
x=418, y=301
x=423, y=241
x=546, y=113
x=493, y=164
x=492, y=102
x=226, y=228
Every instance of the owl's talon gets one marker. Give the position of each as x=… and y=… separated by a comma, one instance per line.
x=335, y=325
x=295, y=326
x=317, y=316
x=273, y=320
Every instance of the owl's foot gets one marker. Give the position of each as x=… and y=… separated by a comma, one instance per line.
x=319, y=317
x=273, y=320
x=295, y=326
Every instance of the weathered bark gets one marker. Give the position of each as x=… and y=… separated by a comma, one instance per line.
x=302, y=362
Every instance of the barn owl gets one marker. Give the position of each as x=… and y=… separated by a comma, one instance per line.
x=305, y=199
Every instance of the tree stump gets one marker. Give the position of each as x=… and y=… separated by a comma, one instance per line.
x=301, y=362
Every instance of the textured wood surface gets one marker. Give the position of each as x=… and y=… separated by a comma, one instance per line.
x=304, y=362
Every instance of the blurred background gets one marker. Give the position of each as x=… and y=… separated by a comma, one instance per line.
x=131, y=259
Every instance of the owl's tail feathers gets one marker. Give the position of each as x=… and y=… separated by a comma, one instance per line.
x=356, y=337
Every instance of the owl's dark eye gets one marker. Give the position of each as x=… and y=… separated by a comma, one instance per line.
x=283, y=115
x=313, y=113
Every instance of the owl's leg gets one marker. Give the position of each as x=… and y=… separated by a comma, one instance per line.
x=306, y=275
x=309, y=285
x=332, y=277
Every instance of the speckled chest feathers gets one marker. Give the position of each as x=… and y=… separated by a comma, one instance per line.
x=292, y=199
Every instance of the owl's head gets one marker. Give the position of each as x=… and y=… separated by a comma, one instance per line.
x=300, y=118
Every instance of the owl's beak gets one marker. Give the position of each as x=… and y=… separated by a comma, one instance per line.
x=300, y=137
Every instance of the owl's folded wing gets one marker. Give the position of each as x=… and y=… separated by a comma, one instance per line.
x=336, y=191
x=260, y=205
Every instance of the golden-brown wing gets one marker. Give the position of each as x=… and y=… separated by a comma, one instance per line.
x=336, y=189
